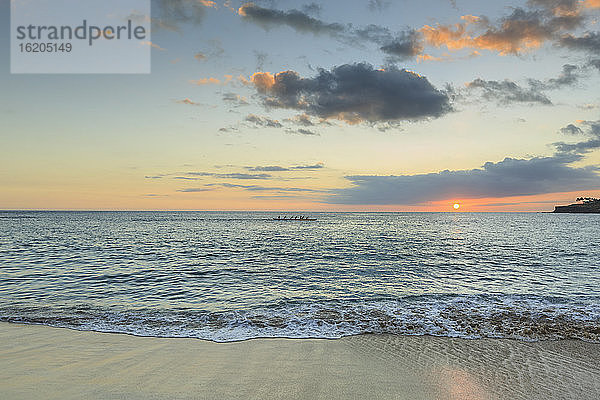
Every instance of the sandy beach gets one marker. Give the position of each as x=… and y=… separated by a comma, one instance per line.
x=51, y=363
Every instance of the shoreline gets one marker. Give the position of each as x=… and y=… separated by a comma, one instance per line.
x=425, y=335
x=38, y=361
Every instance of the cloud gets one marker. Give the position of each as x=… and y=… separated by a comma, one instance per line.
x=447, y=57
x=571, y=130
x=153, y=45
x=206, y=81
x=212, y=49
x=589, y=106
x=558, y=7
x=278, y=168
x=227, y=79
x=195, y=190
x=399, y=46
x=312, y=8
x=307, y=132
x=235, y=99
x=208, y=3
x=265, y=122
x=405, y=46
x=567, y=77
x=187, y=101
x=589, y=42
x=378, y=5
x=591, y=130
x=506, y=178
x=170, y=13
x=354, y=93
x=313, y=166
x=261, y=59
x=258, y=188
x=402, y=45
x=509, y=177
x=296, y=19
x=228, y=129
x=196, y=175
x=508, y=92
x=231, y=175
x=269, y=168
x=301, y=119
x=516, y=33
x=454, y=37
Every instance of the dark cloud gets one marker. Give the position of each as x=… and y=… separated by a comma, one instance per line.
x=268, y=168
x=589, y=42
x=258, y=188
x=296, y=19
x=265, y=122
x=278, y=168
x=307, y=132
x=305, y=167
x=568, y=77
x=228, y=129
x=562, y=14
x=406, y=45
x=399, y=46
x=508, y=92
x=231, y=176
x=571, y=130
x=196, y=175
x=354, y=93
x=591, y=130
x=509, y=177
x=195, y=190
x=557, y=7
x=283, y=197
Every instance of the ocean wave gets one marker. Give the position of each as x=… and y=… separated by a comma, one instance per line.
x=528, y=318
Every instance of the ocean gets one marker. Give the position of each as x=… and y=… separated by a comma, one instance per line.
x=228, y=276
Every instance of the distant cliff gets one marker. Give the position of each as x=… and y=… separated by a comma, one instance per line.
x=587, y=205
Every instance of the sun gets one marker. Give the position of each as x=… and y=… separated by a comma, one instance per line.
x=456, y=206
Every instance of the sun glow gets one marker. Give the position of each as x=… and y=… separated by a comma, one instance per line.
x=456, y=206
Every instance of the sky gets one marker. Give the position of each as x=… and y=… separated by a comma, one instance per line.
x=280, y=105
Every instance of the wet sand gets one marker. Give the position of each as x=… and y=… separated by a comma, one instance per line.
x=38, y=362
